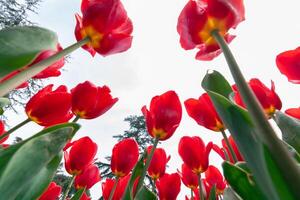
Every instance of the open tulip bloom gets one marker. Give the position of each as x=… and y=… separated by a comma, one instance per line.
x=256, y=164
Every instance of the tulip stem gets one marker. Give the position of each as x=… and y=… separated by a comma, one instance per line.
x=33, y=70
x=192, y=194
x=148, y=161
x=76, y=119
x=229, y=147
x=111, y=195
x=68, y=188
x=200, y=187
x=265, y=132
x=10, y=131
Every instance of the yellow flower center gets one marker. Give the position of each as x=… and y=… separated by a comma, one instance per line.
x=95, y=37
x=159, y=133
x=211, y=25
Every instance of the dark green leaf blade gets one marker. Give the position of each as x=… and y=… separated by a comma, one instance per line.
x=290, y=129
x=145, y=193
x=40, y=182
x=20, y=45
x=78, y=194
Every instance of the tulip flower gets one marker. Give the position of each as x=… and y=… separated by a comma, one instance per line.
x=2, y=131
x=288, y=64
x=89, y=177
x=164, y=115
x=107, y=25
x=168, y=186
x=107, y=187
x=80, y=156
x=199, y=18
x=158, y=163
x=188, y=177
x=48, y=107
x=125, y=155
x=194, y=153
x=294, y=112
x=203, y=112
x=51, y=193
x=268, y=98
x=90, y=101
x=214, y=177
x=85, y=197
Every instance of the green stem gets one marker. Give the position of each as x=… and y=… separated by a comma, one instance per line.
x=68, y=188
x=200, y=187
x=192, y=194
x=265, y=132
x=76, y=119
x=229, y=147
x=10, y=131
x=148, y=161
x=33, y=70
x=113, y=189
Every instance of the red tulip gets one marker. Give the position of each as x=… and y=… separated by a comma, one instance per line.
x=125, y=155
x=51, y=193
x=119, y=192
x=288, y=64
x=268, y=98
x=214, y=177
x=80, y=156
x=168, y=186
x=188, y=177
x=199, y=18
x=85, y=197
x=164, y=115
x=52, y=70
x=194, y=153
x=2, y=131
x=158, y=163
x=294, y=112
x=107, y=25
x=48, y=107
x=90, y=101
x=203, y=112
x=207, y=189
x=89, y=177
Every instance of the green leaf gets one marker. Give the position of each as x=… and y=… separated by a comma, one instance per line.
x=212, y=193
x=229, y=194
x=290, y=129
x=145, y=193
x=280, y=184
x=29, y=158
x=78, y=194
x=20, y=45
x=4, y=102
x=40, y=182
x=216, y=82
x=136, y=172
x=242, y=182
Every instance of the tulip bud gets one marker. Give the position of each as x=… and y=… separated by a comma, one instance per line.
x=158, y=163
x=168, y=186
x=51, y=193
x=89, y=177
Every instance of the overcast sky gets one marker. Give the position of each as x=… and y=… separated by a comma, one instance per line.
x=156, y=63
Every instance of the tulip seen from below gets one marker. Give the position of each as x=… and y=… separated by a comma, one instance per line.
x=107, y=26
x=168, y=186
x=89, y=177
x=51, y=193
x=158, y=163
x=214, y=177
x=90, y=101
x=188, y=177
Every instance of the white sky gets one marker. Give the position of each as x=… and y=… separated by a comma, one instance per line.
x=156, y=63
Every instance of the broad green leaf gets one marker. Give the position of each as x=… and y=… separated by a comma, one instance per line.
x=20, y=45
x=136, y=172
x=216, y=82
x=29, y=158
x=144, y=194
x=280, y=184
x=78, y=194
x=40, y=182
x=4, y=102
x=229, y=194
x=212, y=193
x=290, y=129
x=241, y=182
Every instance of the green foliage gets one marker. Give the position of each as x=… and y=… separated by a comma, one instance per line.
x=34, y=156
x=20, y=45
